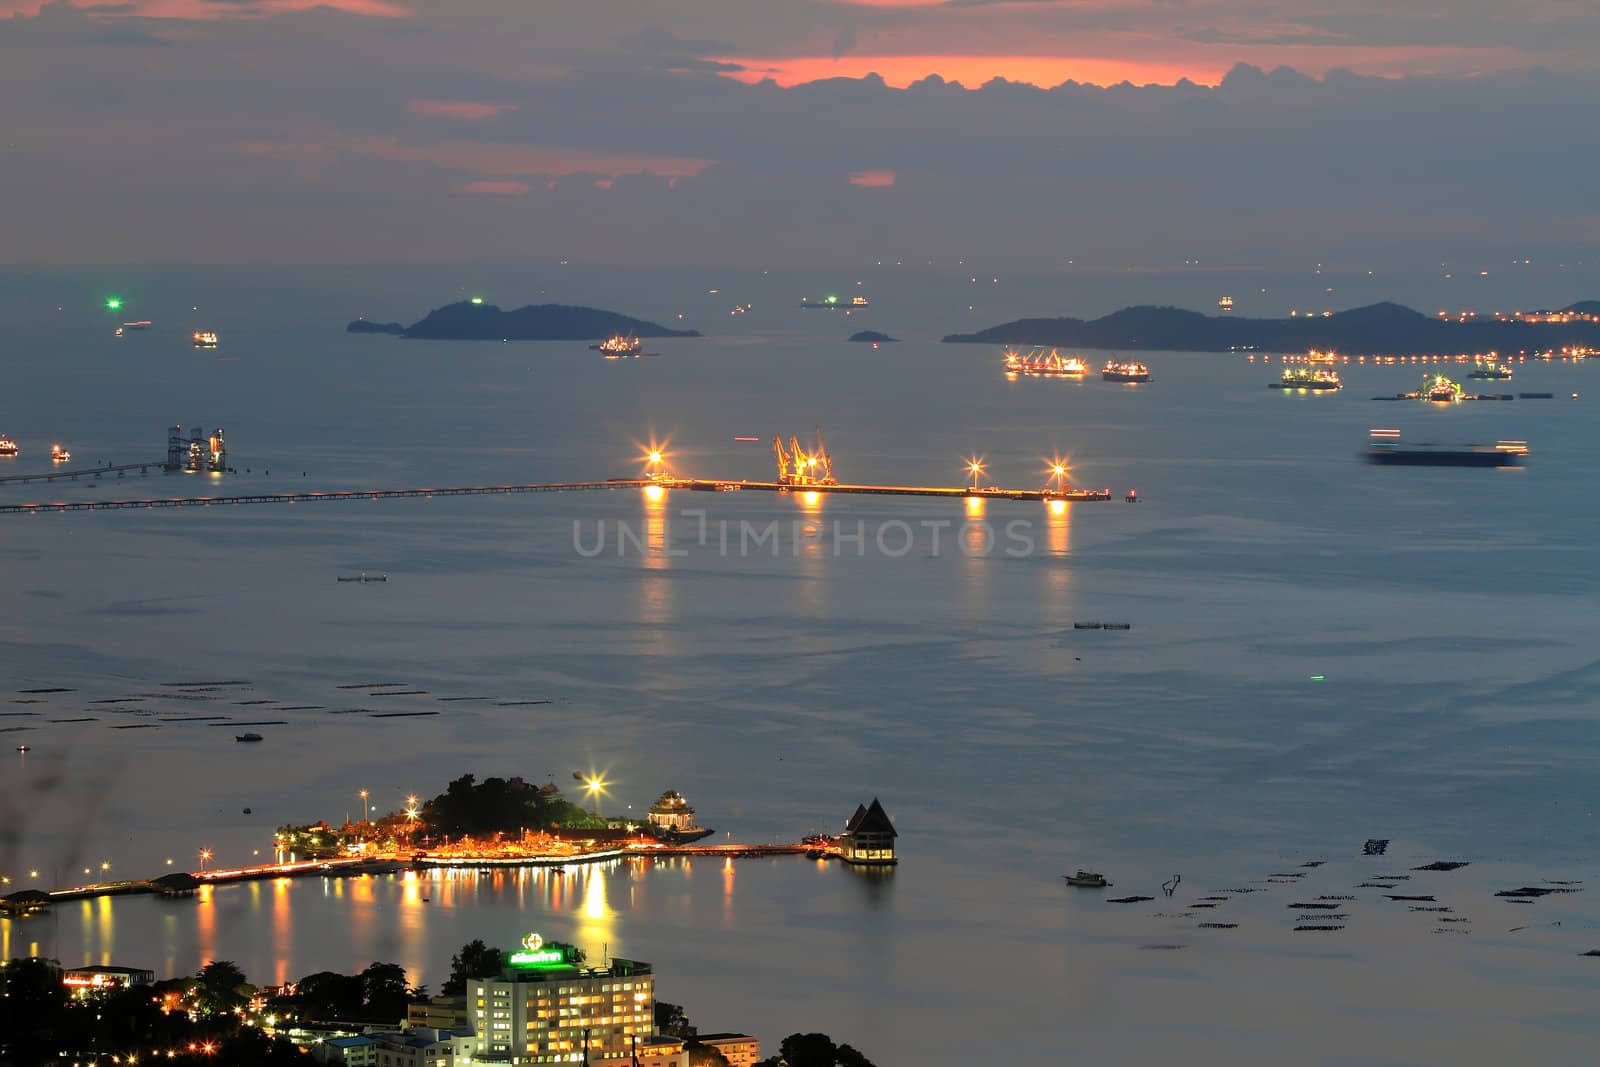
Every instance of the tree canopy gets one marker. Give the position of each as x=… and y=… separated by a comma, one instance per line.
x=497, y=805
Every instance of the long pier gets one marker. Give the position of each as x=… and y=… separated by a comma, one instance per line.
x=72, y=474
x=664, y=483
x=22, y=903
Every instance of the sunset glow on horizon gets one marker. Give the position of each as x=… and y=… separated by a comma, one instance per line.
x=972, y=71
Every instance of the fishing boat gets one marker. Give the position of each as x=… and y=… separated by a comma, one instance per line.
x=621, y=346
x=1087, y=879
x=59, y=454
x=1315, y=379
x=1130, y=371
x=1041, y=364
x=205, y=339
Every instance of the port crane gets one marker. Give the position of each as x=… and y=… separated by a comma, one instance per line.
x=796, y=466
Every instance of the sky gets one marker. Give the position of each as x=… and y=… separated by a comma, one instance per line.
x=1030, y=133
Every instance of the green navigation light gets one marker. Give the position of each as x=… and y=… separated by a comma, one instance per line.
x=113, y=303
x=1318, y=677
x=477, y=300
x=833, y=299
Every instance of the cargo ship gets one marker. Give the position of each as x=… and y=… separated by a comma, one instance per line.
x=1045, y=364
x=1116, y=371
x=205, y=339
x=8, y=447
x=1314, y=378
x=621, y=346
x=1497, y=372
x=1326, y=358
x=59, y=454
x=1386, y=449
x=831, y=302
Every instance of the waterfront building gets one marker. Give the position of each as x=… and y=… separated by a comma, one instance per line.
x=546, y=1005
x=92, y=981
x=740, y=1050
x=653, y=1051
x=347, y=1051
x=423, y=1046
x=868, y=837
x=672, y=813
x=444, y=1013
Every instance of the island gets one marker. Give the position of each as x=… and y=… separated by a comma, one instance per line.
x=873, y=336
x=473, y=320
x=368, y=326
x=1377, y=329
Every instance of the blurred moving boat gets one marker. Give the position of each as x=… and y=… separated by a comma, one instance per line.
x=1386, y=449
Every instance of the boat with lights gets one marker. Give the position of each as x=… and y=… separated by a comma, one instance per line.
x=1128, y=371
x=1325, y=358
x=621, y=346
x=1437, y=389
x=1386, y=449
x=8, y=447
x=59, y=454
x=1042, y=364
x=1495, y=372
x=1316, y=379
x=832, y=302
x=205, y=339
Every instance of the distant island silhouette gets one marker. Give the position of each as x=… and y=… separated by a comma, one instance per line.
x=871, y=335
x=368, y=326
x=1379, y=329
x=470, y=321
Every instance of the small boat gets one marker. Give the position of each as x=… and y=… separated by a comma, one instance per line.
x=59, y=454
x=248, y=737
x=363, y=577
x=22, y=748
x=1087, y=879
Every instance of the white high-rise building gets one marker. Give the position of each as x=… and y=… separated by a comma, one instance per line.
x=546, y=1006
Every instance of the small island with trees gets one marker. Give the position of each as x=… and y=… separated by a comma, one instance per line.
x=474, y=320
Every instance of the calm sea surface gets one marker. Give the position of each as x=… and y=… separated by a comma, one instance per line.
x=1320, y=653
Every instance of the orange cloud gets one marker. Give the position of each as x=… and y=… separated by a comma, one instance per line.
x=468, y=110
x=496, y=188
x=873, y=179
x=972, y=71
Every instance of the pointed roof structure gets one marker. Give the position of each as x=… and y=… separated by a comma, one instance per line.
x=872, y=820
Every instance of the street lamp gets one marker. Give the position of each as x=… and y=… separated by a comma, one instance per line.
x=975, y=468
x=205, y=857
x=595, y=785
x=366, y=808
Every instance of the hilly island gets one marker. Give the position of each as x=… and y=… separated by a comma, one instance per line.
x=471, y=320
x=1378, y=329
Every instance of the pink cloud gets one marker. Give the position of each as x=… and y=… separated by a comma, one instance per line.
x=873, y=179
x=467, y=110
x=492, y=188
x=488, y=159
x=211, y=10
x=604, y=183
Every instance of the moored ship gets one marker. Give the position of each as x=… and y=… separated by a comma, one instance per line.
x=59, y=454
x=1045, y=364
x=1386, y=449
x=205, y=339
x=1317, y=379
x=621, y=346
x=1438, y=389
x=1128, y=371
x=1496, y=372
x=8, y=447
